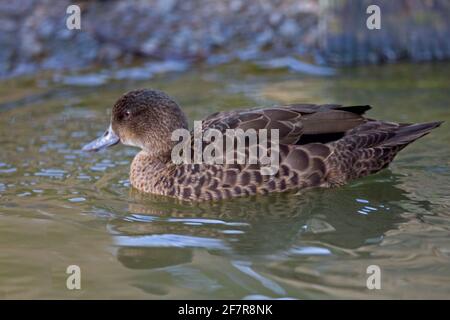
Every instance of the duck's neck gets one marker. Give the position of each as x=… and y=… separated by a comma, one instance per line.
x=147, y=172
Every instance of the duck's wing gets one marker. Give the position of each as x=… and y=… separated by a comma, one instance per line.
x=372, y=146
x=293, y=121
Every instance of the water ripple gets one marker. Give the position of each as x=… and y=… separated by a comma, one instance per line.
x=170, y=240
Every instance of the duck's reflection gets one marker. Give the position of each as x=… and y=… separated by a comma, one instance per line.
x=158, y=232
x=153, y=258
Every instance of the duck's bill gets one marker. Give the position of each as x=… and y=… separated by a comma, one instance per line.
x=108, y=139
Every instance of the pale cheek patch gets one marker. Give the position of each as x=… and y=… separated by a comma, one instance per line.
x=131, y=142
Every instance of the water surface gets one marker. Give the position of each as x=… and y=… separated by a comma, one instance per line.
x=60, y=206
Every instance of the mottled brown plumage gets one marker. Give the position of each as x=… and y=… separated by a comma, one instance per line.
x=320, y=146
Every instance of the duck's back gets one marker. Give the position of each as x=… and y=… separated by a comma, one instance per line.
x=324, y=145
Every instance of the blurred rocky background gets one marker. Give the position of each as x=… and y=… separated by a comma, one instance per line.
x=278, y=33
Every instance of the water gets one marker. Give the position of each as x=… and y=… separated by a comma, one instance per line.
x=61, y=207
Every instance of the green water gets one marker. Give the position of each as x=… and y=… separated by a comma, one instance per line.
x=61, y=207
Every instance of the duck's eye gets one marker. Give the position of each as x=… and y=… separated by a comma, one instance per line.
x=127, y=114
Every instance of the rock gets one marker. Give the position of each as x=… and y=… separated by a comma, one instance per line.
x=297, y=66
x=289, y=28
x=265, y=37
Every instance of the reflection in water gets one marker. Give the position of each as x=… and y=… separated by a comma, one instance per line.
x=245, y=267
x=278, y=224
x=161, y=234
x=168, y=240
x=153, y=258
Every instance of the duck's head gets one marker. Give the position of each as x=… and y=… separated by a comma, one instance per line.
x=142, y=118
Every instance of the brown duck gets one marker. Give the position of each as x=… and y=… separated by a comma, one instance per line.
x=320, y=146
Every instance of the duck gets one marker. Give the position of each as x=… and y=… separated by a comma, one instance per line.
x=318, y=145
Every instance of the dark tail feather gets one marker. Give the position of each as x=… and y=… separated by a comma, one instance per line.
x=411, y=132
x=355, y=109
